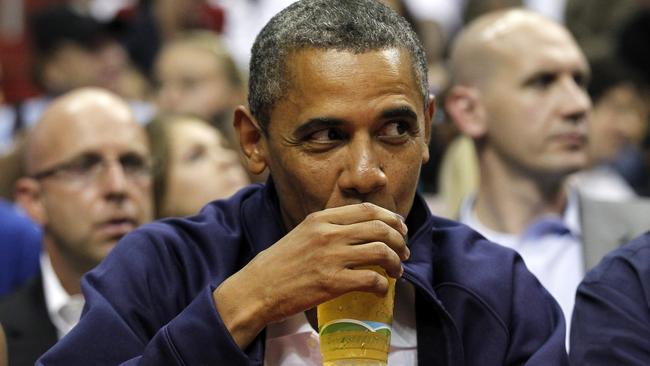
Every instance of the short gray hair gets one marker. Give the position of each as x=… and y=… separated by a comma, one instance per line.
x=347, y=25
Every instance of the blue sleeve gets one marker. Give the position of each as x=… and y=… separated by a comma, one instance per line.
x=139, y=312
x=611, y=319
x=537, y=327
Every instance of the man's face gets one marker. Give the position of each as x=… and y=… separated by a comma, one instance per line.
x=193, y=81
x=352, y=128
x=535, y=103
x=86, y=214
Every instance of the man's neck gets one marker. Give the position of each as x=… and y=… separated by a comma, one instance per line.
x=508, y=203
x=69, y=277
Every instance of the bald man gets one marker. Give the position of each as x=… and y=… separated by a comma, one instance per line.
x=88, y=183
x=519, y=92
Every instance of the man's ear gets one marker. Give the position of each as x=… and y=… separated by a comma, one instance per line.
x=428, y=121
x=463, y=104
x=27, y=195
x=251, y=140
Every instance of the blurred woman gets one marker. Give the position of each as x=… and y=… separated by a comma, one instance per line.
x=196, y=75
x=194, y=165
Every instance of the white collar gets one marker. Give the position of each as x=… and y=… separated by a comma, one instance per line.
x=57, y=299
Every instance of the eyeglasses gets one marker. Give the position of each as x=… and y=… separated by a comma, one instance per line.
x=89, y=167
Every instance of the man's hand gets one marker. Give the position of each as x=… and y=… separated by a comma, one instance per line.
x=313, y=263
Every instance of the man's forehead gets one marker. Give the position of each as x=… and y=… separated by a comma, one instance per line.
x=80, y=134
x=330, y=68
x=533, y=48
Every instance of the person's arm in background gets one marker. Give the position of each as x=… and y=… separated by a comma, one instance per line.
x=611, y=320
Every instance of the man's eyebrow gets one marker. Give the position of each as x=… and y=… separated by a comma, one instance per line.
x=399, y=112
x=316, y=124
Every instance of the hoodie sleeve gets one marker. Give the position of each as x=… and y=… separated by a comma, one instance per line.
x=139, y=312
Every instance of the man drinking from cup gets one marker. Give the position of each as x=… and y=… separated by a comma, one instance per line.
x=340, y=115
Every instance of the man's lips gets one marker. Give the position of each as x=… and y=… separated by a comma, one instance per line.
x=572, y=138
x=116, y=227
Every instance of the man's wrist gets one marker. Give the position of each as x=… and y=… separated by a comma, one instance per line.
x=240, y=311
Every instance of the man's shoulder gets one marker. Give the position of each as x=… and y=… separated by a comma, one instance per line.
x=220, y=217
x=465, y=241
x=28, y=328
x=26, y=305
x=215, y=237
x=458, y=247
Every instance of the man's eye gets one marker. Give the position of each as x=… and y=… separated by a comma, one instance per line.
x=543, y=81
x=326, y=135
x=581, y=80
x=395, y=129
x=84, y=164
x=132, y=162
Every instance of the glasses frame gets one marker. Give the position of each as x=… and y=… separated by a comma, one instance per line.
x=94, y=171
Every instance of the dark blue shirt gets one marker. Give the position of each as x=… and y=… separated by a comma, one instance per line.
x=150, y=302
x=611, y=319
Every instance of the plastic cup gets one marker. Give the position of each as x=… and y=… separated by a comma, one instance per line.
x=355, y=328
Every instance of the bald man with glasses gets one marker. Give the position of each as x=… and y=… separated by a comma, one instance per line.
x=88, y=183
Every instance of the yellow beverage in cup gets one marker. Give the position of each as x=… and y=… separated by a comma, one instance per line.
x=355, y=328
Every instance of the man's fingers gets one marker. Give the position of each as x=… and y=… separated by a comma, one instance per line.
x=363, y=280
x=375, y=254
x=362, y=212
x=378, y=231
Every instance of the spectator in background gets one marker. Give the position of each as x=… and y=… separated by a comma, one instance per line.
x=596, y=24
x=20, y=237
x=528, y=119
x=611, y=321
x=632, y=49
x=196, y=75
x=87, y=183
x=618, y=124
x=192, y=165
x=73, y=50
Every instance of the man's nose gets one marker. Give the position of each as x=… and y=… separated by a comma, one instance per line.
x=363, y=170
x=575, y=100
x=115, y=180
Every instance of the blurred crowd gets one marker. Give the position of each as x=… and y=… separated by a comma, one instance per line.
x=191, y=57
x=180, y=68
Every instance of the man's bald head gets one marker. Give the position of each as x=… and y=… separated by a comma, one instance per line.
x=479, y=52
x=88, y=178
x=73, y=112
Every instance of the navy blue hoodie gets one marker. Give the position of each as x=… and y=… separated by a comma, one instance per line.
x=611, y=319
x=150, y=301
